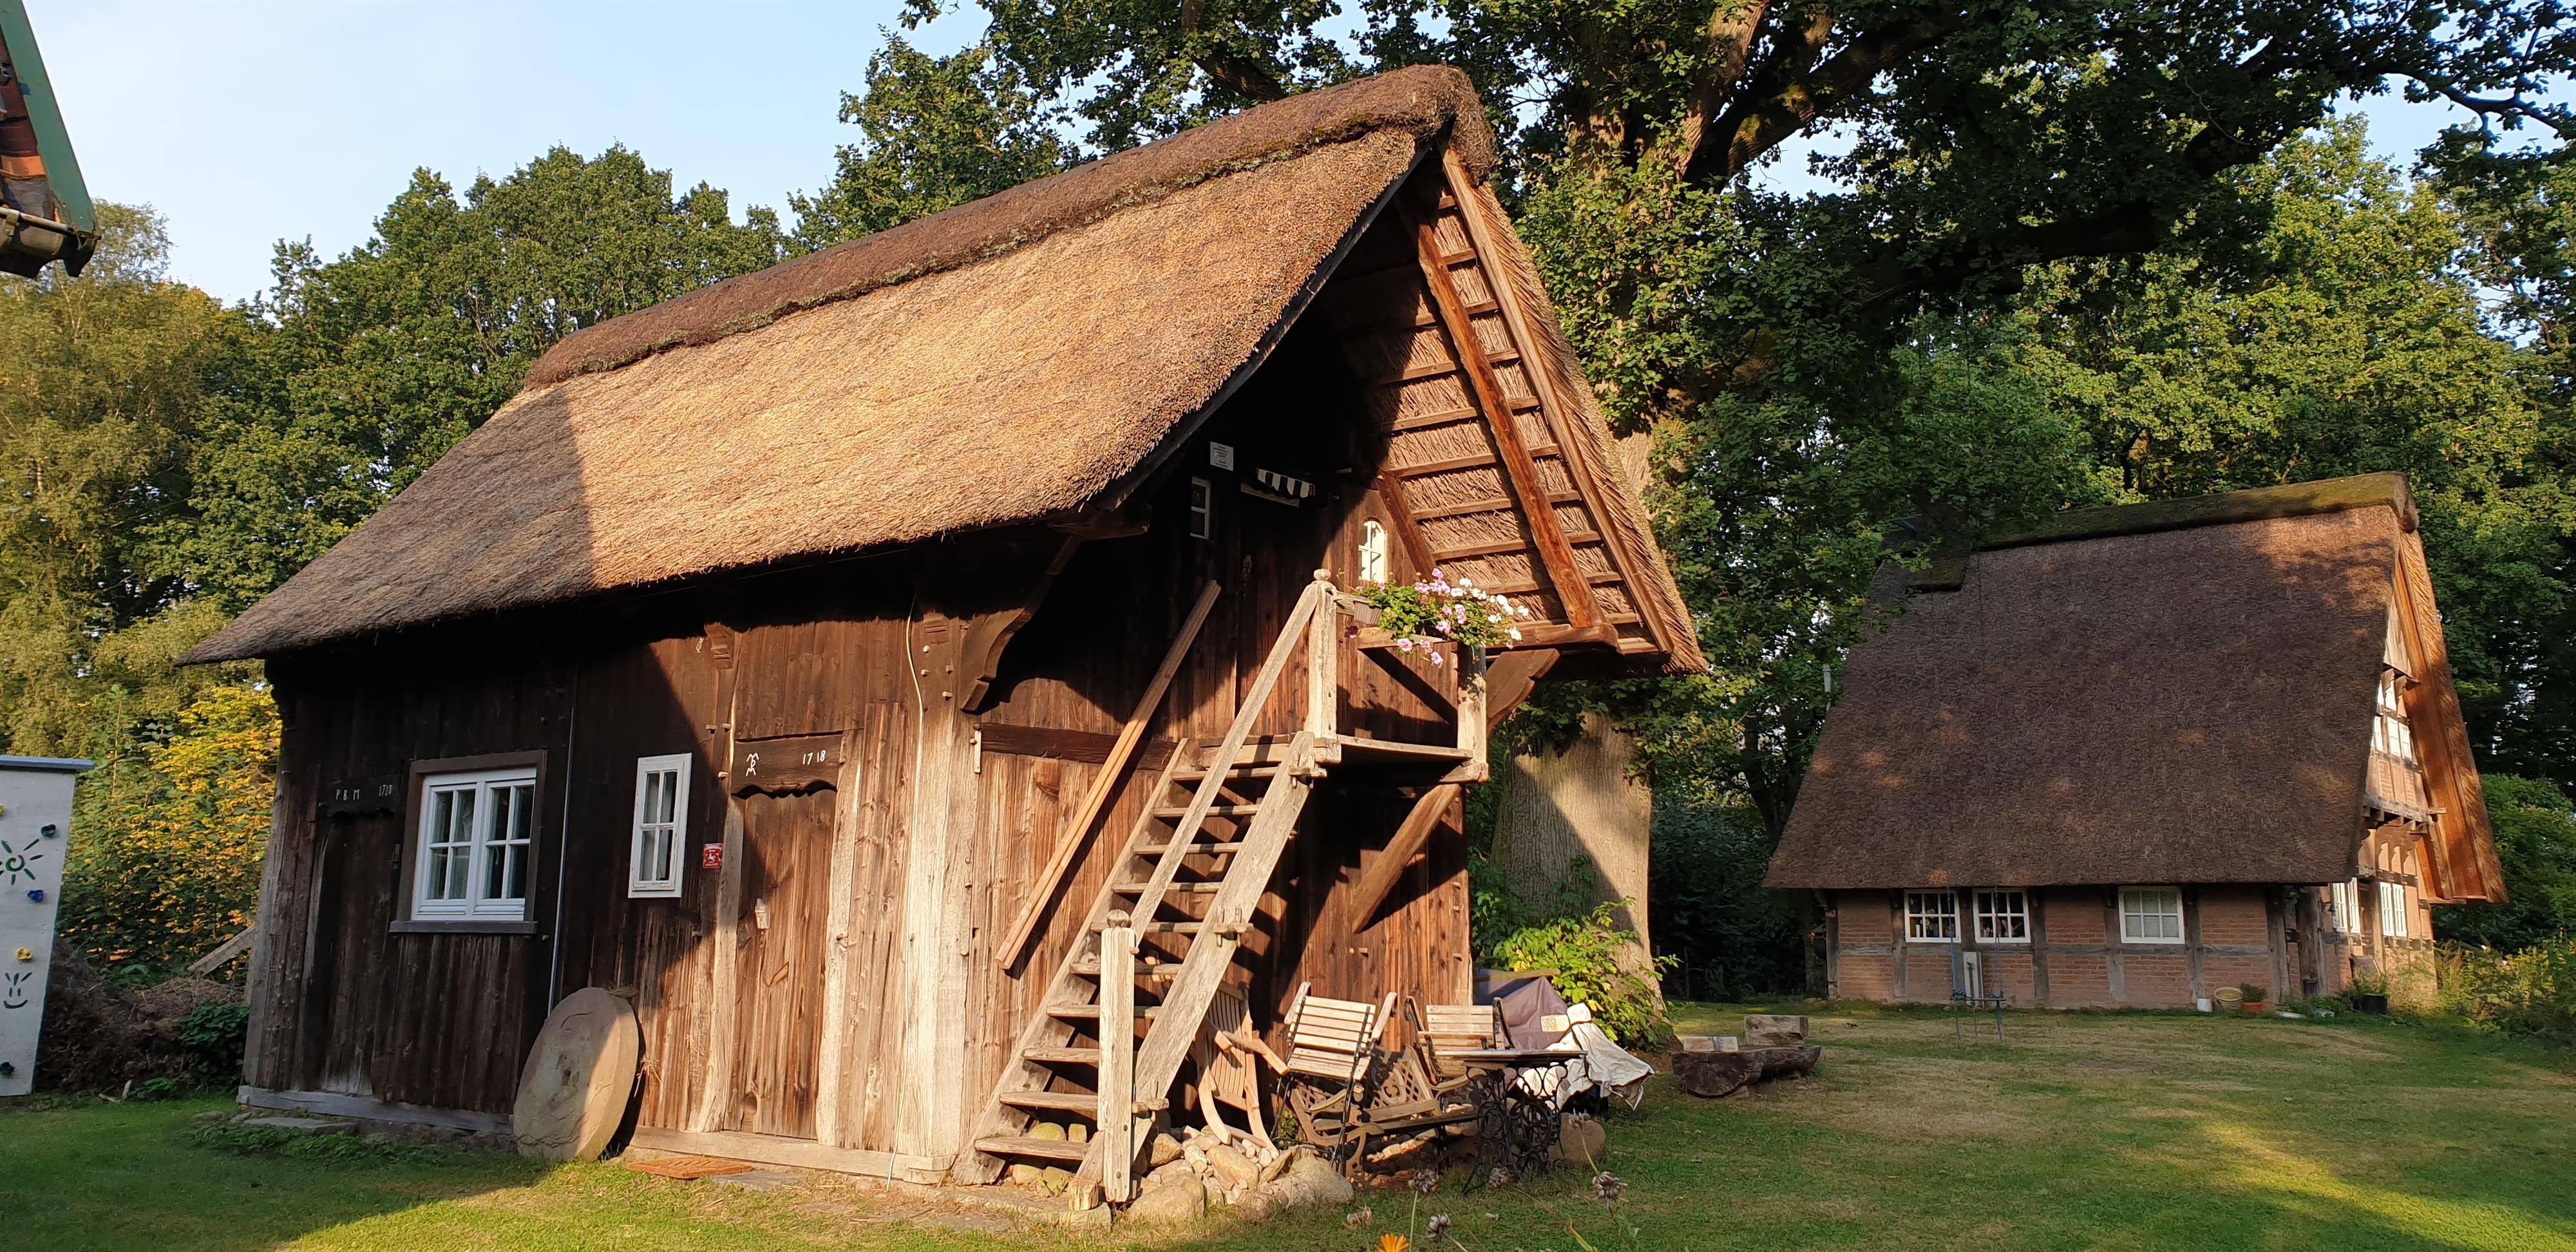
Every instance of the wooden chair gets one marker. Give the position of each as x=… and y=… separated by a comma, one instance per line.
x=1331, y=1057
x=1440, y=1029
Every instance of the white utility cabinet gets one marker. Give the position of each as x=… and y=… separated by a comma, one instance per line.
x=35, y=835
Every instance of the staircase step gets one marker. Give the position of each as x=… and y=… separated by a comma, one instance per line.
x=1199, y=847
x=1091, y=969
x=1178, y=888
x=1239, y=771
x=1214, y=810
x=1061, y=1056
x=1082, y=1102
x=1031, y=1145
x=1091, y=1012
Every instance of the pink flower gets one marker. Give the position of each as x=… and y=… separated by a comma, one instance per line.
x=1435, y=658
x=1406, y=643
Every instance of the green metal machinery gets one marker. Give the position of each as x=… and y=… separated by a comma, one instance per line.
x=45, y=213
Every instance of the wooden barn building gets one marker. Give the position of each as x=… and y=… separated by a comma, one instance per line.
x=819, y=660
x=2143, y=753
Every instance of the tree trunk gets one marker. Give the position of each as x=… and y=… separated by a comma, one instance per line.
x=1581, y=802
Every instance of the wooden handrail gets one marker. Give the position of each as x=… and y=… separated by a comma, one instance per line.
x=1077, y=834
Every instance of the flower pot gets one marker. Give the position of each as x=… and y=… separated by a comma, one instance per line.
x=2257, y=1007
x=2364, y=1002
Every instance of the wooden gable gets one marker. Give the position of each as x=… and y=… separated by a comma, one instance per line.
x=1494, y=466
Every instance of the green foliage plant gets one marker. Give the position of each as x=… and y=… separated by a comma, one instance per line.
x=1590, y=963
x=2535, y=833
x=2530, y=992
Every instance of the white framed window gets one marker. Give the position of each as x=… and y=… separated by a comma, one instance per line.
x=2343, y=906
x=1931, y=917
x=2392, y=910
x=1202, y=509
x=2150, y=914
x=2389, y=731
x=476, y=832
x=2003, y=916
x=661, y=818
x=1372, y=562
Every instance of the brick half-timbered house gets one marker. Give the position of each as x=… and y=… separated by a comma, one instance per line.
x=2142, y=753
x=821, y=660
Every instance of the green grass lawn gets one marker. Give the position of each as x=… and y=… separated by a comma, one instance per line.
x=2112, y=1130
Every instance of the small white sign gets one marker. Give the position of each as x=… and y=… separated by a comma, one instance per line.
x=1221, y=455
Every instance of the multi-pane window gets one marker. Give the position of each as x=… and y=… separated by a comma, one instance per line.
x=1931, y=916
x=661, y=812
x=2389, y=732
x=2343, y=907
x=2150, y=915
x=1202, y=509
x=2003, y=917
x=1372, y=561
x=2392, y=910
x=476, y=831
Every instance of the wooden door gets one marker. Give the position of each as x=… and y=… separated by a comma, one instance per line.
x=781, y=933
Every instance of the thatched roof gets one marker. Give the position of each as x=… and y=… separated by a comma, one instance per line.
x=2166, y=693
x=1008, y=361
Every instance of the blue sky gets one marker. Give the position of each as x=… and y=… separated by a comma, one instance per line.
x=174, y=102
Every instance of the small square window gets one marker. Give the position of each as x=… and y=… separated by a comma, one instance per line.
x=2003, y=917
x=2151, y=915
x=1931, y=917
x=1202, y=509
x=661, y=822
x=477, y=831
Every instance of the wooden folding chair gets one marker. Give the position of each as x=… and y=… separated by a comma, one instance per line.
x=1331, y=1057
x=1440, y=1029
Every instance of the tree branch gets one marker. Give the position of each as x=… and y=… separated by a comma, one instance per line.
x=1733, y=25
x=1242, y=75
x=1778, y=109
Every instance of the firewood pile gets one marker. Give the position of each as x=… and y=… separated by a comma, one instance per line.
x=1774, y=1045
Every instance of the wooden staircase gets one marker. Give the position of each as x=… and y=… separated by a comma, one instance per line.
x=1184, y=885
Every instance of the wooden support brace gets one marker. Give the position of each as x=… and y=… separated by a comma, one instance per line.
x=1410, y=837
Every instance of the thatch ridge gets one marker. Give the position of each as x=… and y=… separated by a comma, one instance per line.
x=2140, y=699
x=1423, y=101
x=2360, y=491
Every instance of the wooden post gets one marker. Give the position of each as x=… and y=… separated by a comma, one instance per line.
x=1116, y=1121
x=1323, y=663
x=1473, y=732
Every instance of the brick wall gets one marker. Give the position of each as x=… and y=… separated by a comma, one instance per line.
x=2234, y=946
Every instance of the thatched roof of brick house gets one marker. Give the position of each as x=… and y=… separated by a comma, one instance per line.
x=1021, y=359
x=2166, y=693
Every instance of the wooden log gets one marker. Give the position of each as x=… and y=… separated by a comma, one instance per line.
x=1715, y=1074
x=1776, y=1023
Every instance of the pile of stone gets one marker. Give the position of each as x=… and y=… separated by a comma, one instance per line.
x=1774, y=1045
x=1201, y=1169
x=1189, y=1175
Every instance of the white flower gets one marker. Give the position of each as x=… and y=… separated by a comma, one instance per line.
x=1515, y=634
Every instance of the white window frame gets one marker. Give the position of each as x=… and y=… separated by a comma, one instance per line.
x=1202, y=509
x=1372, y=558
x=663, y=830
x=1932, y=916
x=2130, y=897
x=2000, y=910
x=479, y=846
x=2393, y=918
x=2346, y=903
